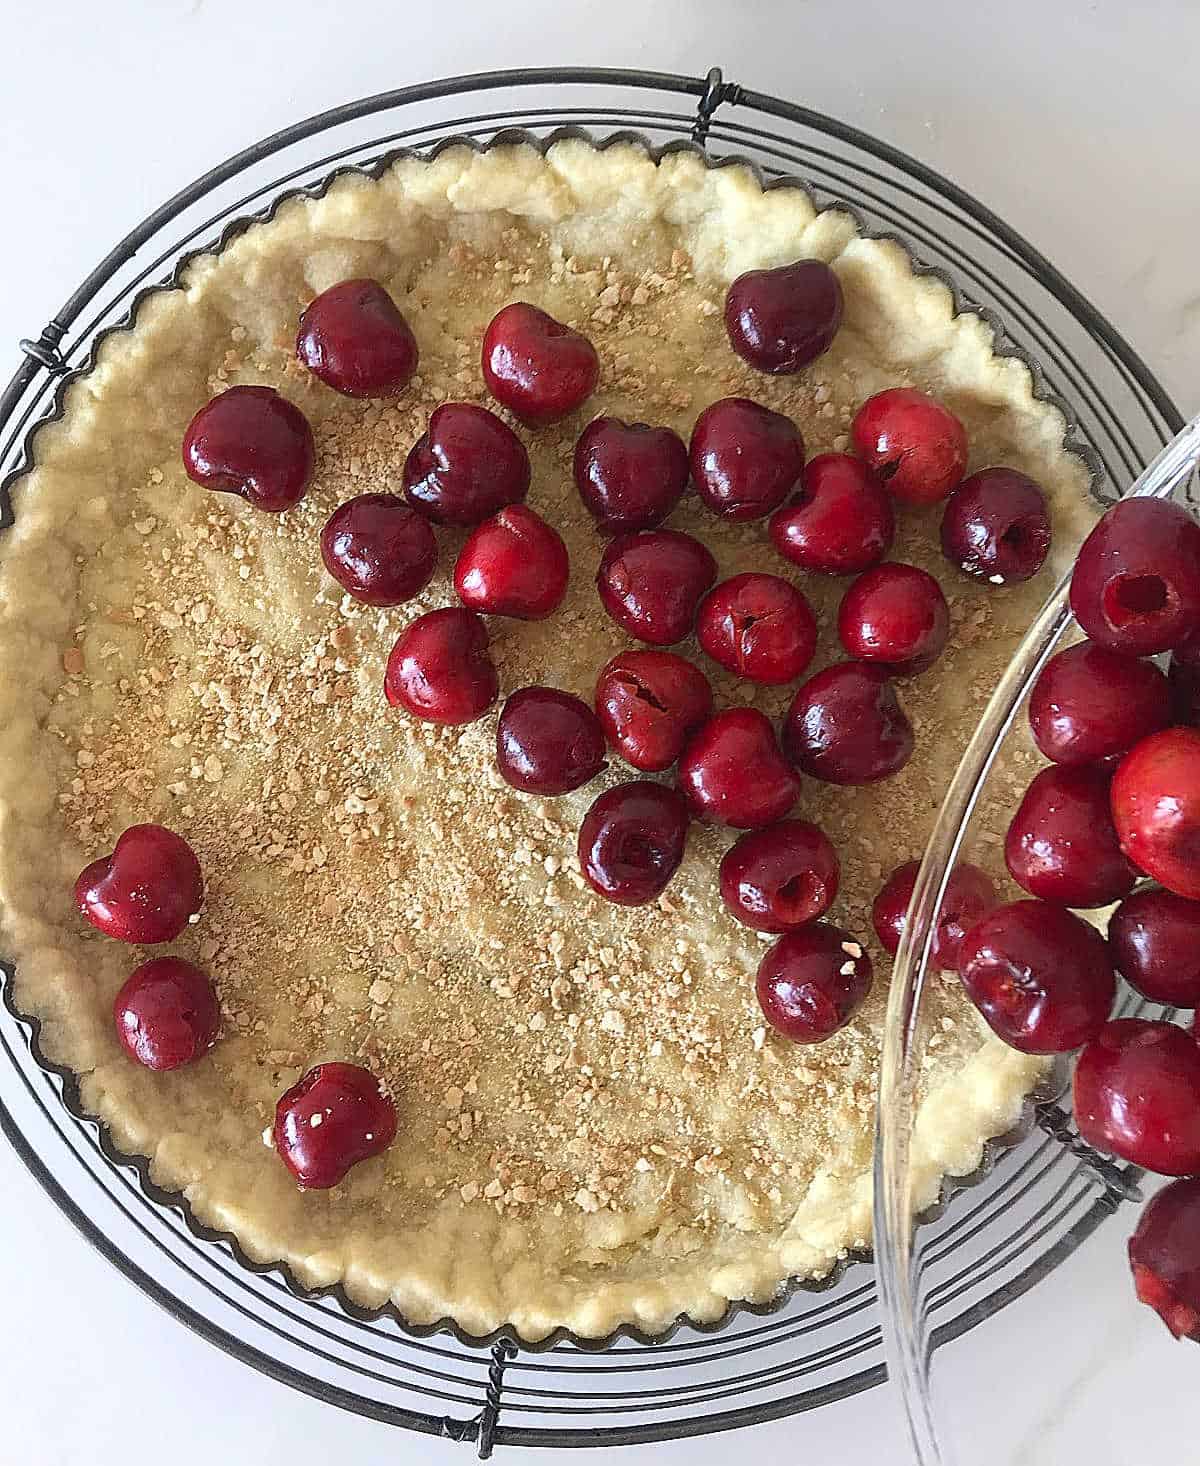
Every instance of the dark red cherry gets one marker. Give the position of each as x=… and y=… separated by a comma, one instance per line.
x=166, y=1014
x=466, y=466
x=1137, y=1095
x=440, y=668
x=538, y=368
x=649, y=705
x=336, y=1116
x=146, y=890
x=378, y=549
x=650, y=583
x=1164, y=1255
x=916, y=446
x=1040, y=976
x=1136, y=583
x=1156, y=808
x=732, y=771
x=745, y=458
x=895, y=615
x=632, y=840
x=513, y=564
x=812, y=982
x=969, y=897
x=354, y=338
x=758, y=627
x=996, y=527
x=548, y=742
x=1154, y=937
x=780, y=878
x=779, y=320
x=846, y=726
x=838, y=522
x=252, y=442
x=1090, y=704
x=1183, y=676
x=629, y=475
x=1061, y=845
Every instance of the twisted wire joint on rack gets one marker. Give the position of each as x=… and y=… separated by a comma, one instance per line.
x=482, y=1427
x=45, y=348
x=717, y=91
x=1117, y=1186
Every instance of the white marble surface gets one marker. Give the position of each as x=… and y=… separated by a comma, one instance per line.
x=1076, y=121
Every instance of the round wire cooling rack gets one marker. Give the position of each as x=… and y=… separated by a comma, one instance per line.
x=996, y=1234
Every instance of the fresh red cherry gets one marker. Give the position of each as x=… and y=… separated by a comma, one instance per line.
x=354, y=338
x=812, y=982
x=745, y=458
x=779, y=320
x=513, y=564
x=649, y=705
x=996, y=527
x=732, y=771
x=780, y=878
x=1137, y=1095
x=1136, y=583
x=252, y=442
x=166, y=1014
x=1183, y=677
x=916, y=446
x=1061, y=845
x=466, y=466
x=1154, y=937
x=1090, y=704
x=1164, y=1255
x=146, y=890
x=895, y=615
x=536, y=367
x=650, y=583
x=378, y=549
x=1040, y=976
x=632, y=840
x=548, y=742
x=758, y=627
x=440, y=669
x=838, y=522
x=969, y=897
x=1156, y=808
x=336, y=1116
x=629, y=475
x=846, y=726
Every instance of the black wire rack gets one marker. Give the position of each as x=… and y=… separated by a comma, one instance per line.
x=996, y=1234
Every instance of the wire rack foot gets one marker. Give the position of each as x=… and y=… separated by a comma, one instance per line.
x=481, y=1428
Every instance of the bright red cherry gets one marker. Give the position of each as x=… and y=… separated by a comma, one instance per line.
x=629, y=475
x=252, y=442
x=166, y=1014
x=779, y=320
x=1164, y=1255
x=1156, y=808
x=838, y=522
x=1136, y=583
x=758, y=627
x=812, y=982
x=780, y=878
x=895, y=615
x=548, y=742
x=513, y=564
x=336, y=1116
x=916, y=446
x=650, y=583
x=1061, y=845
x=146, y=890
x=732, y=771
x=969, y=897
x=538, y=368
x=1154, y=937
x=466, y=466
x=846, y=726
x=1137, y=1095
x=996, y=527
x=1090, y=704
x=378, y=549
x=440, y=669
x=354, y=338
x=1040, y=976
x=632, y=840
x=650, y=704
x=745, y=458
